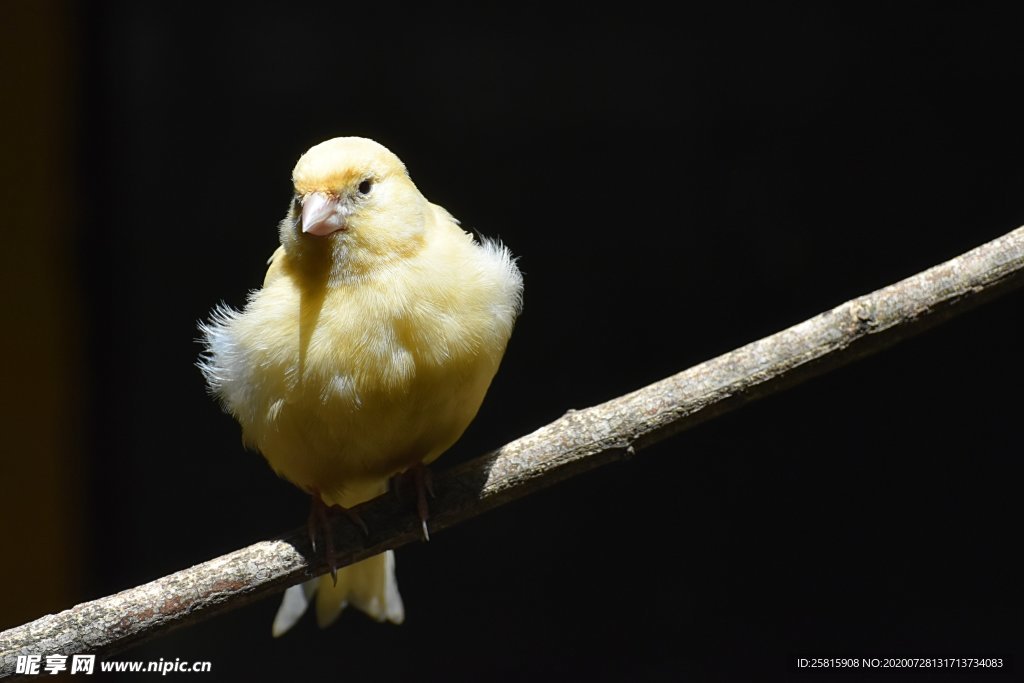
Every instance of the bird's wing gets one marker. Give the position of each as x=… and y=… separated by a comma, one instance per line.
x=274, y=271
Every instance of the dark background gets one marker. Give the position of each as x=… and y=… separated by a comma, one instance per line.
x=674, y=187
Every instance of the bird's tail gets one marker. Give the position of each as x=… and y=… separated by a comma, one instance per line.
x=368, y=585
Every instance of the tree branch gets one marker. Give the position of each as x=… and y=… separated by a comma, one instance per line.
x=579, y=441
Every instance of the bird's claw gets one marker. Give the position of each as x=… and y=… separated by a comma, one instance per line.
x=354, y=518
x=424, y=485
x=418, y=476
x=318, y=522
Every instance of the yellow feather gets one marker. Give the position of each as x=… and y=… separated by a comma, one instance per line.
x=369, y=349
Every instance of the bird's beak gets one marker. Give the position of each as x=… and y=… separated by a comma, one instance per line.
x=322, y=214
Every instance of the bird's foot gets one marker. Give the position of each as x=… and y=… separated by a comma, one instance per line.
x=318, y=524
x=418, y=476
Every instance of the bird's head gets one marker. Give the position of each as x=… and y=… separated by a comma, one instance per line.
x=354, y=209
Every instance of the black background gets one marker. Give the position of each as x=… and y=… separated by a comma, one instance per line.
x=674, y=187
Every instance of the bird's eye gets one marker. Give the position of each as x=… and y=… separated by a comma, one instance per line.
x=364, y=187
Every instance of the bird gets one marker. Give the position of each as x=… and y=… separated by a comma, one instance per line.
x=367, y=351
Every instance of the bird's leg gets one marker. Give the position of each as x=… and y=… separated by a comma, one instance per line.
x=312, y=522
x=420, y=478
x=318, y=522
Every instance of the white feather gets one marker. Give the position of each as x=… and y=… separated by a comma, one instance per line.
x=293, y=606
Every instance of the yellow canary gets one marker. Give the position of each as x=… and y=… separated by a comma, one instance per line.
x=368, y=350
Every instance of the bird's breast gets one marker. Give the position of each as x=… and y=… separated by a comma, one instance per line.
x=362, y=389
